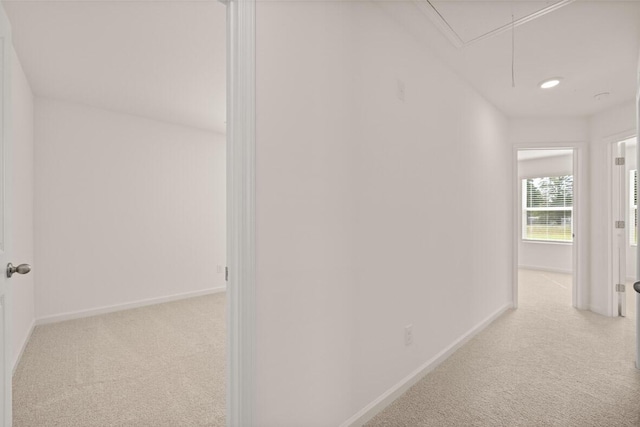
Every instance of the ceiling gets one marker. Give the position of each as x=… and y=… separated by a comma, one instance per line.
x=459, y=18
x=593, y=45
x=159, y=59
x=166, y=59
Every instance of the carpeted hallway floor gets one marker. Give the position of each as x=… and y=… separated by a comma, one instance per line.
x=161, y=365
x=545, y=364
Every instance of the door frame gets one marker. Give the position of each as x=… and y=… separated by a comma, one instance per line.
x=637, y=182
x=580, y=227
x=610, y=142
x=618, y=236
x=6, y=140
x=241, y=259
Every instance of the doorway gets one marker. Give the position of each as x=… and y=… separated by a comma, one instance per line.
x=126, y=322
x=545, y=226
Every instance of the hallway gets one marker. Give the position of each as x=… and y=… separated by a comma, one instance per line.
x=542, y=364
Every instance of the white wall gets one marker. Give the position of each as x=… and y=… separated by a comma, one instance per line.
x=548, y=131
x=22, y=186
x=544, y=255
x=433, y=207
x=371, y=212
x=611, y=126
x=127, y=209
x=304, y=213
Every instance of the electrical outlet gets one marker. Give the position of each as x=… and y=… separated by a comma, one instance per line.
x=408, y=335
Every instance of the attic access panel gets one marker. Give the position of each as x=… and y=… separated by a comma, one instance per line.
x=468, y=21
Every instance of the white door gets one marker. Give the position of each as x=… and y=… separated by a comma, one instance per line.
x=5, y=289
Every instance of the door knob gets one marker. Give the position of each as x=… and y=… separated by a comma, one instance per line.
x=636, y=286
x=21, y=269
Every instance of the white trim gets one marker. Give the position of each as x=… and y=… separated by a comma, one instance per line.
x=432, y=12
x=612, y=295
x=6, y=145
x=517, y=227
x=16, y=362
x=376, y=406
x=125, y=306
x=241, y=122
x=546, y=242
x=579, y=287
x=547, y=269
x=631, y=213
x=617, y=212
x=524, y=209
x=551, y=242
x=637, y=183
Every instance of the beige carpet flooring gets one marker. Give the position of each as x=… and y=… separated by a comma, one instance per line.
x=544, y=364
x=161, y=365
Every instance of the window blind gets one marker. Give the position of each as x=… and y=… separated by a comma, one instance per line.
x=547, y=208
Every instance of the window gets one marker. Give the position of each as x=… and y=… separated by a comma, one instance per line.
x=633, y=207
x=547, y=209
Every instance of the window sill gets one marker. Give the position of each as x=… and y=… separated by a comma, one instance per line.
x=546, y=242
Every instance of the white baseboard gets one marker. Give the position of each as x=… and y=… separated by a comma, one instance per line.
x=548, y=269
x=125, y=306
x=16, y=362
x=375, y=407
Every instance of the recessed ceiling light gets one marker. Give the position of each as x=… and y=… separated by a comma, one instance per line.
x=549, y=83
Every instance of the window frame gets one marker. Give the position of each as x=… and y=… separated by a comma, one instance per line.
x=525, y=210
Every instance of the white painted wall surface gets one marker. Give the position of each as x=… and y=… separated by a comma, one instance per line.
x=22, y=183
x=433, y=206
x=551, y=256
x=552, y=131
x=546, y=166
x=305, y=219
x=371, y=212
x=607, y=127
x=128, y=209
